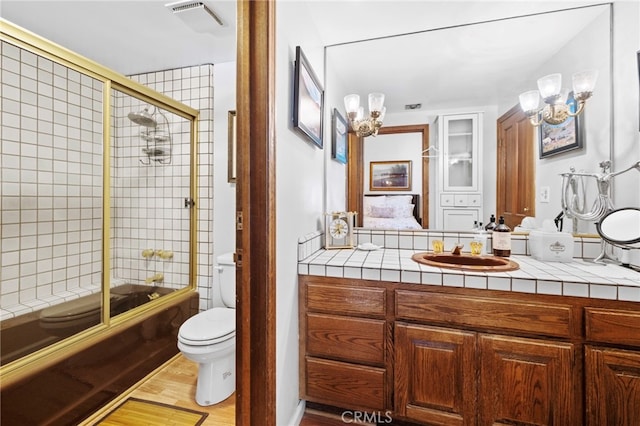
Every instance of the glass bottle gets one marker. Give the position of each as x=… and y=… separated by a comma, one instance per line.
x=492, y=223
x=501, y=239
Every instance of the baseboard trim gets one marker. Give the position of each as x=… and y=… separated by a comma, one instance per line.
x=296, y=418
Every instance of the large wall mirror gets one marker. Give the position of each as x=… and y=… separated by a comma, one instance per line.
x=483, y=67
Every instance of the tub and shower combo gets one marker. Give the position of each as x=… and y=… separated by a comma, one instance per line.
x=98, y=231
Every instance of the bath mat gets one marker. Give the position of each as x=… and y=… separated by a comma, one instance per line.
x=139, y=412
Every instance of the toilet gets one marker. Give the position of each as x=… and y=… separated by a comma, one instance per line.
x=209, y=338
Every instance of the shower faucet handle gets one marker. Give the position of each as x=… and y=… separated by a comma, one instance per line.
x=148, y=253
x=164, y=254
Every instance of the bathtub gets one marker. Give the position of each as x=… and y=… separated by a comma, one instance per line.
x=27, y=333
x=75, y=387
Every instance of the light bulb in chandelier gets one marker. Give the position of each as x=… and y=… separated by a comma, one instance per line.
x=365, y=125
x=556, y=109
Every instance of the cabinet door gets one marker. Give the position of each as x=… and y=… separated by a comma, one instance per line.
x=435, y=375
x=459, y=219
x=613, y=386
x=460, y=152
x=526, y=381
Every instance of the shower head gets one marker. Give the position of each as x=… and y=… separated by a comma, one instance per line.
x=143, y=118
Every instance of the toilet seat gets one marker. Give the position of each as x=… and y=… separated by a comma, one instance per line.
x=209, y=327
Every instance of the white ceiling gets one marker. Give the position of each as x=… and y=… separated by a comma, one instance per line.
x=130, y=37
x=141, y=36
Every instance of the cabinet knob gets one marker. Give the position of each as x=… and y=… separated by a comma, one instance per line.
x=526, y=209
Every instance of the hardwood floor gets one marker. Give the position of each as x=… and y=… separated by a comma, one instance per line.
x=174, y=383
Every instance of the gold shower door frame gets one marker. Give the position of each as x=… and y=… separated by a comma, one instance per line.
x=111, y=80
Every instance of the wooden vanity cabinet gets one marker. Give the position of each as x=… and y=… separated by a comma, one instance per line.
x=465, y=377
x=345, y=343
x=528, y=381
x=453, y=356
x=612, y=375
x=435, y=374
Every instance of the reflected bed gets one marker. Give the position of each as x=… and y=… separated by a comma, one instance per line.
x=391, y=212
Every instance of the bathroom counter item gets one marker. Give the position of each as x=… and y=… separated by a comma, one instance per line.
x=551, y=246
x=580, y=278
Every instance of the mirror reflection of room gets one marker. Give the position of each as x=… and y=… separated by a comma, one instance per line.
x=472, y=168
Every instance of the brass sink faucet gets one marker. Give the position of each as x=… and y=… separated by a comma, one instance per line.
x=457, y=248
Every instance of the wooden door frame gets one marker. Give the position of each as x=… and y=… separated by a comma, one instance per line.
x=255, y=201
x=355, y=169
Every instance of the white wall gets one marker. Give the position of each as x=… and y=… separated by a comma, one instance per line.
x=571, y=58
x=336, y=173
x=300, y=177
x=224, y=192
x=626, y=121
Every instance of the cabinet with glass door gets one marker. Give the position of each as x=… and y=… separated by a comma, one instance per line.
x=459, y=179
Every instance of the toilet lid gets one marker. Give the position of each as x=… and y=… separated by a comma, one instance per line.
x=213, y=325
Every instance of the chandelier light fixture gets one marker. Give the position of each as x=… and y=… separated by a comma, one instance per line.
x=550, y=89
x=365, y=126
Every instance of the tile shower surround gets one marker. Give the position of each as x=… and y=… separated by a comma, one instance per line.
x=51, y=160
x=51, y=156
x=193, y=86
x=393, y=263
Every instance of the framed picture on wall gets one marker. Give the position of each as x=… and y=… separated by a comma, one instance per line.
x=340, y=133
x=307, y=100
x=566, y=136
x=390, y=175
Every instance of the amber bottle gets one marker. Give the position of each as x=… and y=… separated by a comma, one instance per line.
x=501, y=239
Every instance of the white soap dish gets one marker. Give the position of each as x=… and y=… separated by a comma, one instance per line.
x=368, y=247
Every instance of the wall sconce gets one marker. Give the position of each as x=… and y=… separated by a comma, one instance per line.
x=365, y=126
x=550, y=89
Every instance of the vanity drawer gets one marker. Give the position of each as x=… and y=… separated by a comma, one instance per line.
x=346, y=338
x=535, y=318
x=346, y=300
x=345, y=385
x=607, y=326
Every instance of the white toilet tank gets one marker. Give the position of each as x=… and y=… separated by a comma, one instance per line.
x=227, y=276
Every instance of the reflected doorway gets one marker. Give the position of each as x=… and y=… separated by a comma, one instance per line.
x=515, y=195
x=356, y=169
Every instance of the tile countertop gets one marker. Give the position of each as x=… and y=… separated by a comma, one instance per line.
x=580, y=277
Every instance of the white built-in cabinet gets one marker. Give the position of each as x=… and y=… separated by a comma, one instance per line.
x=458, y=173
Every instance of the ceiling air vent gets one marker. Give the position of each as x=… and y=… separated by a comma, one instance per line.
x=196, y=15
x=413, y=106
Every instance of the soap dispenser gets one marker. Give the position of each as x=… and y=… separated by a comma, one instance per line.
x=501, y=239
x=492, y=223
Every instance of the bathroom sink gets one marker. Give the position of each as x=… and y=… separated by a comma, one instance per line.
x=466, y=262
